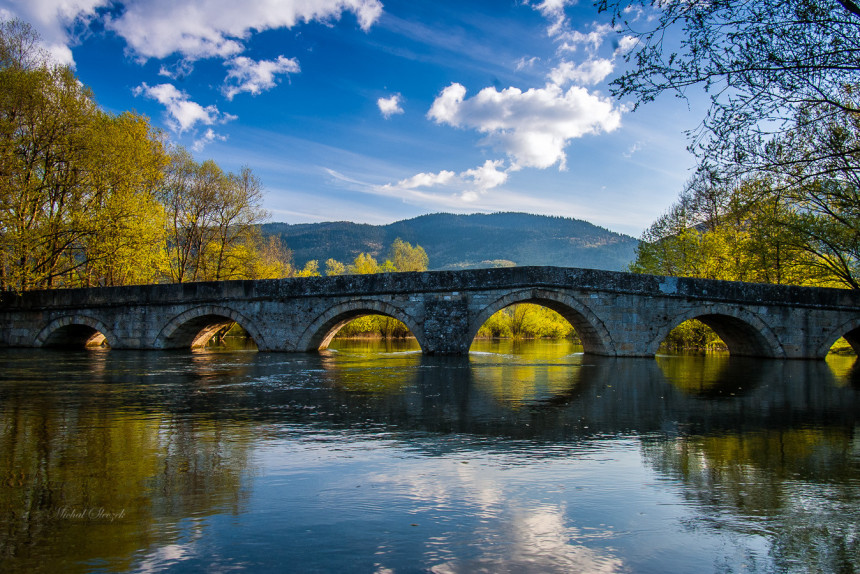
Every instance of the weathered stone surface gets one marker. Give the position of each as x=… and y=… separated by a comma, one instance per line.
x=616, y=314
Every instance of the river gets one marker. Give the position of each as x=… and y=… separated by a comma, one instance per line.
x=369, y=457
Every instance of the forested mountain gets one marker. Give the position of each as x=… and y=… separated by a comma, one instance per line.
x=466, y=241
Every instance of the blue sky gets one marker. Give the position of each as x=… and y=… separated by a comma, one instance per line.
x=379, y=110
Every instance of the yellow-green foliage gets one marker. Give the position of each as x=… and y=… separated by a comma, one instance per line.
x=375, y=326
x=526, y=321
x=693, y=335
x=410, y=258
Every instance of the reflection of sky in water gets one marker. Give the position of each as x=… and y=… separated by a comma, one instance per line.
x=517, y=458
x=467, y=511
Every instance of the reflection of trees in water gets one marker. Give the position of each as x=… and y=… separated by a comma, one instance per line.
x=714, y=375
x=87, y=476
x=174, y=442
x=795, y=487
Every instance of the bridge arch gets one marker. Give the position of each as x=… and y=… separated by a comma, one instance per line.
x=322, y=330
x=591, y=330
x=850, y=330
x=194, y=327
x=75, y=331
x=743, y=332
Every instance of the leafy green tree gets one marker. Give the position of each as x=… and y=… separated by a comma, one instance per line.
x=311, y=269
x=74, y=180
x=334, y=267
x=364, y=264
x=408, y=258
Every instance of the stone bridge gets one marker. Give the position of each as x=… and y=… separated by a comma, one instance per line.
x=615, y=314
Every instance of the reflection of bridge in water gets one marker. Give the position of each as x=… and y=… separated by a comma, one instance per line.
x=614, y=314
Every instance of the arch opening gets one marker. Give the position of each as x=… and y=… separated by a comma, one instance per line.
x=847, y=345
x=368, y=315
x=527, y=329
x=76, y=336
x=370, y=328
x=722, y=332
x=540, y=314
x=211, y=332
x=692, y=336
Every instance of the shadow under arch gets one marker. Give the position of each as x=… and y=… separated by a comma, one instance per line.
x=75, y=331
x=322, y=330
x=591, y=330
x=194, y=327
x=743, y=332
x=850, y=330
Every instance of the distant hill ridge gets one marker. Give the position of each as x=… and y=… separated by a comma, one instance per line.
x=466, y=241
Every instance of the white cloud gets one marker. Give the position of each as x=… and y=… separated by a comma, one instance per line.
x=467, y=186
x=198, y=29
x=625, y=44
x=54, y=20
x=207, y=138
x=633, y=149
x=178, y=70
x=531, y=127
x=572, y=40
x=526, y=63
x=183, y=114
x=247, y=75
x=390, y=106
x=553, y=10
x=587, y=73
x=486, y=176
x=425, y=180
x=194, y=29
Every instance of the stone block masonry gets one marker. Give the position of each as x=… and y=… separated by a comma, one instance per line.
x=615, y=314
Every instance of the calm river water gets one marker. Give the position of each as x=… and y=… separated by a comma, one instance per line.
x=368, y=457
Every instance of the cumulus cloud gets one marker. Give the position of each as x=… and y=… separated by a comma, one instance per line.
x=198, y=29
x=468, y=185
x=183, y=114
x=55, y=20
x=193, y=29
x=247, y=75
x=390, y=106
x=587, y=73
x=531, y=127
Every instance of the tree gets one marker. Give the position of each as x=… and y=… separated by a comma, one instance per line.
x=311, y=269
x=739, y=230
x=74, y=180
x=212, y=219
x=272, y=260
x=334, y=267
x=364, y=264
x=408, y=258
x=764, y=63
